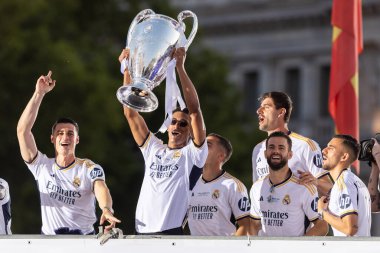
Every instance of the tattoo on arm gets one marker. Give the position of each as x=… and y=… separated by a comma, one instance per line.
x=373, y=198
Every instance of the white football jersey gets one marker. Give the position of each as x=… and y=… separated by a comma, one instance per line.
x=67, y=197
x=5, y=208
x=214, y=203
x=350, y=195
x=307, y=156
x=282, y=207
x=163, y=200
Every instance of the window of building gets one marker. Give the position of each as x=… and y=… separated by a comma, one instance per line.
x=293, y=88
x=324, y=81
x=251, y=91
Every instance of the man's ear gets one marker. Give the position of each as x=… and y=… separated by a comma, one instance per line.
x=52, y=139
x=345, y=157
x=77, y=141
x=282, y=112
x=290, y=155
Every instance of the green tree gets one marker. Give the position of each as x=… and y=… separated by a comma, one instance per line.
x=80, y=41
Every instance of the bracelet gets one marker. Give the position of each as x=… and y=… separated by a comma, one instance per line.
x=108, y=208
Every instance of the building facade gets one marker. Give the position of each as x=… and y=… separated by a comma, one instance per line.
x=286, y=46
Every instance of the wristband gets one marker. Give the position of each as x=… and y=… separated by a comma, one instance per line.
x=107, y=208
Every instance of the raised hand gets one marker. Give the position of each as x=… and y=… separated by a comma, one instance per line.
x=45, y=83
x=107, y=215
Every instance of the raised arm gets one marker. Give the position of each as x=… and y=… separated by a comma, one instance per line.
x=25, y=124
x=136, y=122
x=191, y=98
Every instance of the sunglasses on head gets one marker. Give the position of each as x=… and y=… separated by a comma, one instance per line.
x=181, y=123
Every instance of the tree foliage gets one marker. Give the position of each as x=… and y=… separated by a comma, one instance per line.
x=80, y=41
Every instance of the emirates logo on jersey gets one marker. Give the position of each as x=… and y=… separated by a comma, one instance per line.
x=286, y=200
x=215, y=194
x=76, y=182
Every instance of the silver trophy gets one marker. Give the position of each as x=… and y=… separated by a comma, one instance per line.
x=152, y=39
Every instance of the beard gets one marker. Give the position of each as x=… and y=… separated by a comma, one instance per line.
x=277, y=165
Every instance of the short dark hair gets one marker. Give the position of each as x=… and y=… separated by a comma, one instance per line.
x=351, y=143
x=178, y=109
x=280, y=100
x=226, y=144
x=64, y=120
x=280, y=134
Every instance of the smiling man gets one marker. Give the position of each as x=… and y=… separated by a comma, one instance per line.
x=274, y=115
x=68, y=185
x=279, y=202
x=163, y=200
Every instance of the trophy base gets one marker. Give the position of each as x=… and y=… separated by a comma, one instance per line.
x=141, y=100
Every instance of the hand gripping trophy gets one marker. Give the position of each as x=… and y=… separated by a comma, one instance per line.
x=152, y=39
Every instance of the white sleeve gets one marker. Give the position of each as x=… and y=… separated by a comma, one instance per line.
x=313, y=160
x=310, y=203
x=37, y=163
x=239, y=201
x=255, y=177
x=95, y=173
x=347, y=200
x=255, y=204
x=198, y=154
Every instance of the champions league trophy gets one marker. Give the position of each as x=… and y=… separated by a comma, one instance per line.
x=152, y=39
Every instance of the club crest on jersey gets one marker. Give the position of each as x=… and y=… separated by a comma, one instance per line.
x=95, y=173
x=76, y=182
x=177, y=154
x=286, y=200
x=215, y=194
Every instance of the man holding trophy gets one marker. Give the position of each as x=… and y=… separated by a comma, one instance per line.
x=163, y=200
x=155, y=48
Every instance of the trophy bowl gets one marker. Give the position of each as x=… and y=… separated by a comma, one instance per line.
x=152, y=39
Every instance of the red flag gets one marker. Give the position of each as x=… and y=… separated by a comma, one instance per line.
x=347, y=44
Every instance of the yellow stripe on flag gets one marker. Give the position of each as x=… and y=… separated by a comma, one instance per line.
x=355, y=83
x=336, y=32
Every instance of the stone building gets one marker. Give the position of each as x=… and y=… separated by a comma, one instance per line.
x=286, y=45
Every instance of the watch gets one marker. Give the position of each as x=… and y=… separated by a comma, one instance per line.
x=320, y=214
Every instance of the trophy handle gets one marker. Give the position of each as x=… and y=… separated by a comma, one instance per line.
x=186, y=14
x=141, y=15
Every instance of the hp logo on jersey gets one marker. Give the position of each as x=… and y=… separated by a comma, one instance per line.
x=244, y=204
x=344, y=201
x=95, y=173
x=317, y=160
x=314, y=204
